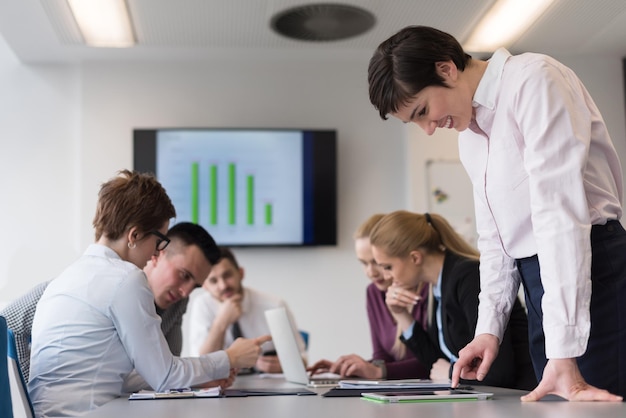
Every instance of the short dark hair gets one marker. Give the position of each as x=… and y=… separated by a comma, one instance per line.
x=192, y=234
x=226, y=253
x=131, y=199
x=404, y=64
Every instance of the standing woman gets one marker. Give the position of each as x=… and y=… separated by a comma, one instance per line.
x=547, y=190
x=414, y=250
x=390, y=359
x=97, y=320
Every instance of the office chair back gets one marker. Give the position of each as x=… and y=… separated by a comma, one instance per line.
x=6, y=405
x=22, y=406
x=305, y=338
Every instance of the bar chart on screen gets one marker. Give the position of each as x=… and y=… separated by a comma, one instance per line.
x=240, y=187
x=230, y=195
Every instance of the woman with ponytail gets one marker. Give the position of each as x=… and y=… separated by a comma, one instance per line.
x=390, y=358
x=414, y=250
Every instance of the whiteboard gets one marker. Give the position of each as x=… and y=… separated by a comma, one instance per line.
x=450, y=195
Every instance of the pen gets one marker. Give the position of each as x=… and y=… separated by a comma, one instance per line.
x=178, y=390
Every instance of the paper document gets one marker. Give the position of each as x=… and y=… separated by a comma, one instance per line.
x=177, y=394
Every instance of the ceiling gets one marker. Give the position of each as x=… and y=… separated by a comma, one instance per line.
x=44, y=31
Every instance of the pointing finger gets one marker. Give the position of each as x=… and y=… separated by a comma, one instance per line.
x=263, y=339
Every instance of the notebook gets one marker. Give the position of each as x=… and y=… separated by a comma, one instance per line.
x=285, y=343
x=216, y=392
x=450, y=395
x=395, y=384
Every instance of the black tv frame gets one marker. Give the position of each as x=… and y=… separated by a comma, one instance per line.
x=320, y=176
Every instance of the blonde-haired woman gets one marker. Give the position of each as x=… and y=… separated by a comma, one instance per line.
x=390, y=359
x=415, y=249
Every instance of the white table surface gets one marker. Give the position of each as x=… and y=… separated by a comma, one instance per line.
x=504, y=404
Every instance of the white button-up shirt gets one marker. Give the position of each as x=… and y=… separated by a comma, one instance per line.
x=94, y=324
x=204, y=308
x=543, y=170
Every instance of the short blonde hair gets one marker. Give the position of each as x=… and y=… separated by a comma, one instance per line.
x=131, y=199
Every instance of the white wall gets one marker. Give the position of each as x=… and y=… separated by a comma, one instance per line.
x=39, y=113
x=604, y=78
x=65, y=129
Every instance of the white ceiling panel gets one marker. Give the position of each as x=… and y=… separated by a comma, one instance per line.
x=44, y=31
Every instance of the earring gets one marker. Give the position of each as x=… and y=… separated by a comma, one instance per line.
x=131, y=246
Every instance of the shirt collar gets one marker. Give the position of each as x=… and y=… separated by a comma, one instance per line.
x=487, y=90
x=246, y=302
x=100, y=250
x=437, y=287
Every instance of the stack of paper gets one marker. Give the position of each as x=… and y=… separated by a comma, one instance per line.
x=177, y=394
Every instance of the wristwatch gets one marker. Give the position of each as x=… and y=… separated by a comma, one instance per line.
x=381, y=364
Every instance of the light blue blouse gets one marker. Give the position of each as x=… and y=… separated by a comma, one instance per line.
x=94, y=324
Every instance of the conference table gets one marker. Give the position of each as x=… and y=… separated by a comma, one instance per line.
x=504, y=404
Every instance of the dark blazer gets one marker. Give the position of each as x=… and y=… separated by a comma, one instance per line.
x=460, y=286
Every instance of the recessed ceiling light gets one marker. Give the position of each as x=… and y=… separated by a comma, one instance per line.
x=103, y=23
x=504, y=23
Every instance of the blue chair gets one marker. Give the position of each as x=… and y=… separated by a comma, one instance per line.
x=305, y=337
x=22, y=406
x=6, y=405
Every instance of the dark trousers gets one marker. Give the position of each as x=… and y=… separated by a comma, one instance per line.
x=604, y=363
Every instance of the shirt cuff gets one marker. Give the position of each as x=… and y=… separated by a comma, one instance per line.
x=491, y=322
x=220, y=365
x=408, y=333
x=565, y=342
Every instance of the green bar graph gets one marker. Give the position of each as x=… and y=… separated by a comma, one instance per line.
x=268, y=214
x=232, y=171
x=250, y=199
x=195, y=202
x=213, y=194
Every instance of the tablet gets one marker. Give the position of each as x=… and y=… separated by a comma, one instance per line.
x=426, y=396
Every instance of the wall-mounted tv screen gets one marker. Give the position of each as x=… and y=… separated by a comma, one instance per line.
x=247, y=187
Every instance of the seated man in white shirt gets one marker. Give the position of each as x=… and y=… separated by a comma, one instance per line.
x=227, y=310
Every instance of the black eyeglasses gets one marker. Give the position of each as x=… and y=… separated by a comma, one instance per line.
x=162, y=240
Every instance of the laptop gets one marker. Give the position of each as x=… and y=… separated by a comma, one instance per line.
x=285, y=343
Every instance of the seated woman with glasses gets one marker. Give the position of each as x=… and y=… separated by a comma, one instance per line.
x=97, y=320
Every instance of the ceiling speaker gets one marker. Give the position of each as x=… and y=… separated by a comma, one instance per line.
x=323, y=22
